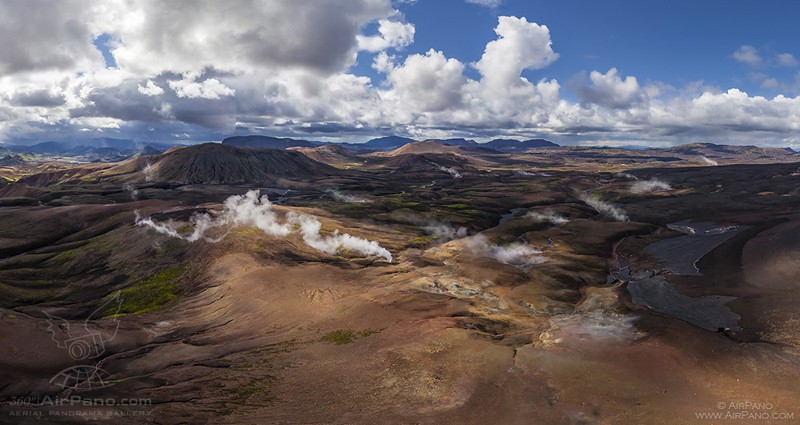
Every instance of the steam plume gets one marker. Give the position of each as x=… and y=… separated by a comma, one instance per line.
x=604, y=208
x=310, y=227
x=132, y=190
x=647, y=186
x=453, y=172
x=628, y=176
x=517, y=254
x=148, y=172
x=251, y=210
x=442, y=231
x=708, y=161
x=547, y=216
x=343, y=197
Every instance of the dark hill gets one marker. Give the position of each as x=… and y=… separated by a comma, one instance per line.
x=214, y=163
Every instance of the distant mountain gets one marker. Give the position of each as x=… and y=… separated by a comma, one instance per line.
x=267, y=142
x=214, y=163
x=426, y=162
x=90, y=150
x=42, y=148
x=388, y=142
x=149, y=150
x=513, y=145
x=713, y=150
x=11, y=160
x=436, y=147
x=4, y=151
x=329, y=154
x=454, y=142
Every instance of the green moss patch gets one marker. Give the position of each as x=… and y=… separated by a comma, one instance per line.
x=157, y=291
x=346, y=336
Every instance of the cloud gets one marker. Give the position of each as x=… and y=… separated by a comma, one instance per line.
x=786, y=59
x=520, y=45
x=151, y=89
x=611, y=90
x=180, y=36
x=487, y=3
x=39, y=97
x=392, y=34
x=425, y=83
x=40, y=36
x=208, y=69
x=210, y=88
x=748, y=55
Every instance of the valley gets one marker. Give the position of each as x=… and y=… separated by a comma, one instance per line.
x=425, y=283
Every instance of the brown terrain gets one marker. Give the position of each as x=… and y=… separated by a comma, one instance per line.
x=552, y=286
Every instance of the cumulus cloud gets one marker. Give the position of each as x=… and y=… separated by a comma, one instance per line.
x=392, y=34
x=150, y=89
x=787, y=60
x=208, y=68
x=256, y=211
x=520, y=45
x=748, y=55
x=425, y=83
x=210, y=88
x=611, y=90
x=178, y=36
x=40, y=35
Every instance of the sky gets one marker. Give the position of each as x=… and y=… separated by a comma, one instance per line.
x=588, y=72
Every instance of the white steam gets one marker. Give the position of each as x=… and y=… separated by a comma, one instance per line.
x=516, y=254
x=310, y=227
x=251, y=210
x=452, y=171
x=444, y=231
x=343, y=197
x=131, y=189
x=202, y=223
x=708, y=161
x=647, y=186
x=148, y=172
x=547, y=217
x=628, y=176
x=608, y=210
x=528, y=173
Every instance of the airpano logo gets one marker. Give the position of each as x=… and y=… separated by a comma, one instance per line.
x=85, y=341
x=745, y=410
